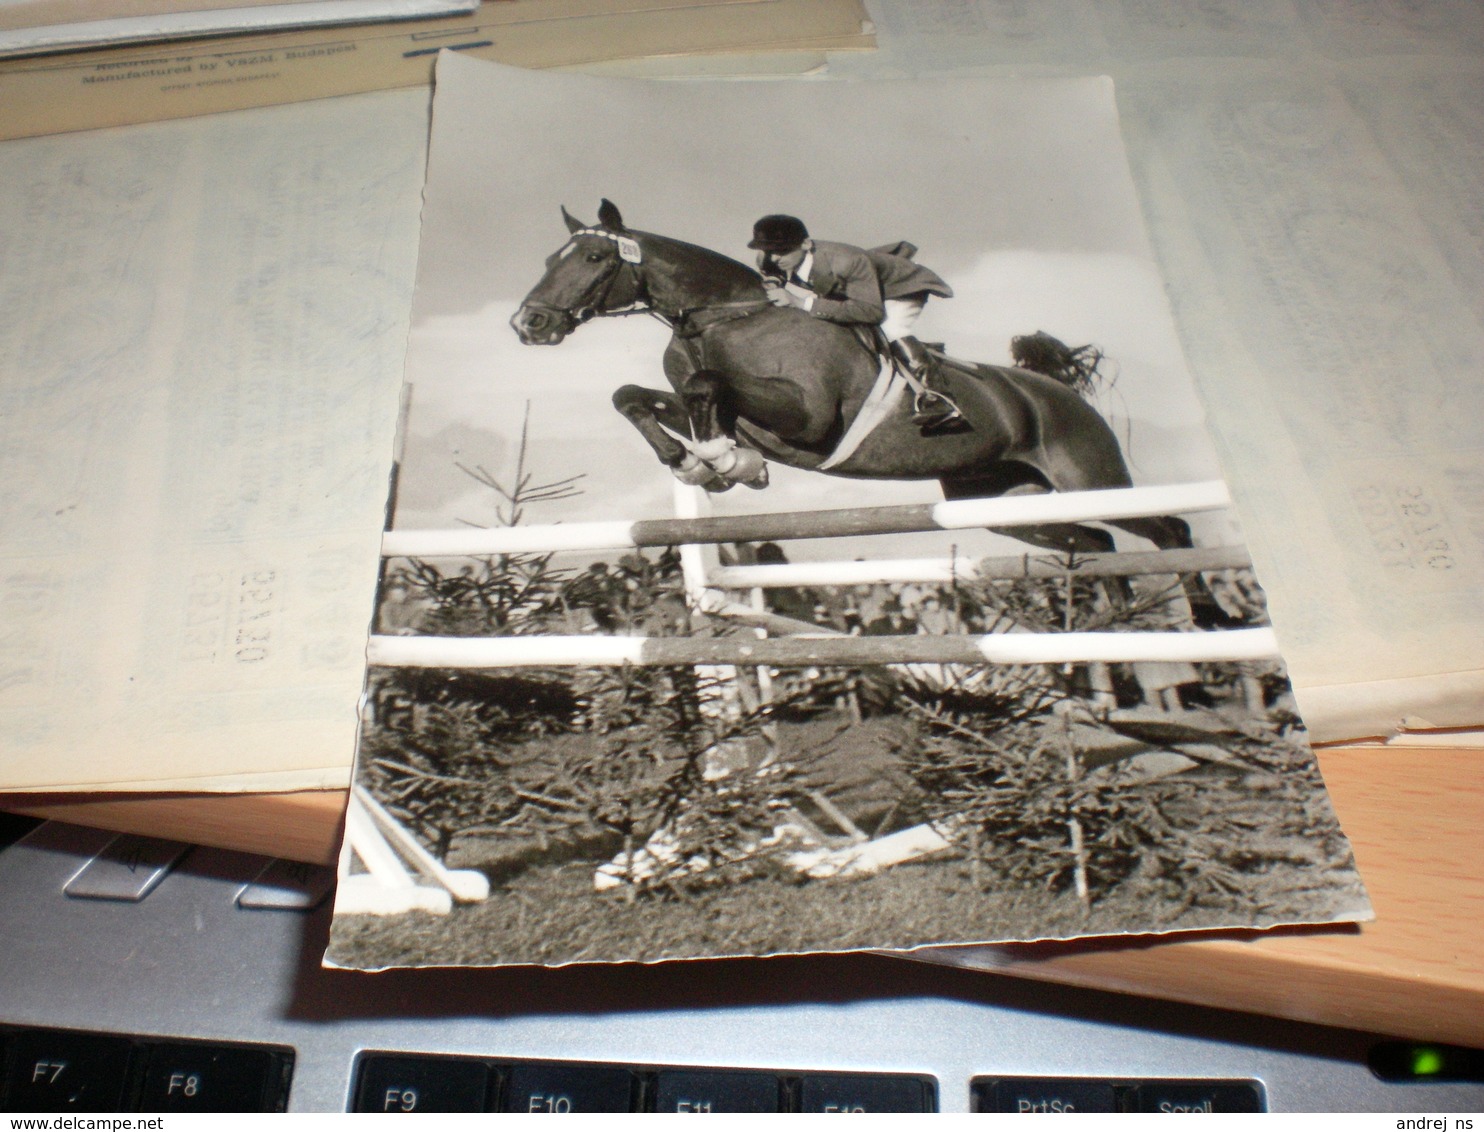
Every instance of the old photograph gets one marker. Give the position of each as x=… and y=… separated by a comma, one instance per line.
x=805, y=537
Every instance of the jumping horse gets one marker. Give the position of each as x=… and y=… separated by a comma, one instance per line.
x=752, y=382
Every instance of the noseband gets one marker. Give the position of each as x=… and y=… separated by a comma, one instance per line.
x=593, y=302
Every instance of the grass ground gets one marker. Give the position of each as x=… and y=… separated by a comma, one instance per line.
x=551, y=915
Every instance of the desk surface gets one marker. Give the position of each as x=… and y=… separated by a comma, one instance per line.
x=1414, y=817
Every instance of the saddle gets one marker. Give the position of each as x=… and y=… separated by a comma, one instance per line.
x=872, y=340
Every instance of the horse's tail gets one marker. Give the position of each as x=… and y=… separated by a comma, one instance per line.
x=1077, y=367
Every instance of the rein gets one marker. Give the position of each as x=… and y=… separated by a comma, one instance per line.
x=686, y=323
x=682, y=323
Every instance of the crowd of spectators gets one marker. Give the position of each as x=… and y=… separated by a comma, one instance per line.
x=893, y=609
x=644, y=594
x=1168, y=686
x=881, y=609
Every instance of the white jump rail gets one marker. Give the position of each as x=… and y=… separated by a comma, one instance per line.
x=387, y=888
x=831, y=651
x=961, y=514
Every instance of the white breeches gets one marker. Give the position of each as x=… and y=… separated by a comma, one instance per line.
x=901, y=316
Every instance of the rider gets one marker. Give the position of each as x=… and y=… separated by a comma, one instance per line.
x=854, y=286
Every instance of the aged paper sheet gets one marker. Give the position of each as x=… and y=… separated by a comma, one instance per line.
x=1310, y=178
x=672, y=658
x=202, y=327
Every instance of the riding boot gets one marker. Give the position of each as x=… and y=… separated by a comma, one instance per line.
x=934, y=412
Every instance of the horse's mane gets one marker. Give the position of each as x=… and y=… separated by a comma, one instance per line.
x=699, y=265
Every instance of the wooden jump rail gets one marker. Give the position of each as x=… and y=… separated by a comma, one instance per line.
x=826, y=650
x=774, y=576
x=1014, y=511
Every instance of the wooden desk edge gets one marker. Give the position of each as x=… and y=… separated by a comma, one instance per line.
x=300, y=826
x=1273, y=975
x=1367, y=978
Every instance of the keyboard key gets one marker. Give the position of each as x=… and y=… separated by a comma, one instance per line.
x=13, y=827
x=1045, y=1094
x=1197, y=1096
x=569, y=1088
x=421, y=1084
x=128, y=869
x=841, y=1092
x=201, y=1078
x=56, y=1071
x=702, y=1090
x=288, y=886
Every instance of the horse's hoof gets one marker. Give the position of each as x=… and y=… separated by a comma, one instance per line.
x=759, y=479
x=694, y=472
x=1206, y=614
x=716, y=451
x=746, y=465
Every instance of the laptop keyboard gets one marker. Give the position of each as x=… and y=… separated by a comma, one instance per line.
x=154, y=977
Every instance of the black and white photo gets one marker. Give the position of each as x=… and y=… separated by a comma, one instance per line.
x=805, y=537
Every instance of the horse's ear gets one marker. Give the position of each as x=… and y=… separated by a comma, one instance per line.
x=608, y=216
x=573, y=224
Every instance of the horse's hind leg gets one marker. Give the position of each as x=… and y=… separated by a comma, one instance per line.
x=1008, y=479
x=1097, y=463
x=1170, y=532
x=1063, y=538
x=1071, y=539
x=652, y=411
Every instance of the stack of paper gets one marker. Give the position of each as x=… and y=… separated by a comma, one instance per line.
x=34, y=27
x=51, y=95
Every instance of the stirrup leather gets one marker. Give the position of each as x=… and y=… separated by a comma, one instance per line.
x=933, y=412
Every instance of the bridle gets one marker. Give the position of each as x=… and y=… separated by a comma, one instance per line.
x=593, y=303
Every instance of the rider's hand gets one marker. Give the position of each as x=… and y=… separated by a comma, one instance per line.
x=777, y=295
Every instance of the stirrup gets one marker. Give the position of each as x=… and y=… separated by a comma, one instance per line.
x=936, y=414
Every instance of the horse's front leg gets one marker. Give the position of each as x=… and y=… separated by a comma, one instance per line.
x=713, y=425
x=652, y=411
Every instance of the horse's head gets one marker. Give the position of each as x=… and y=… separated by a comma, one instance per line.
x=594, y=272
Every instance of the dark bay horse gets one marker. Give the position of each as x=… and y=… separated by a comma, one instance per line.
x=752, y=381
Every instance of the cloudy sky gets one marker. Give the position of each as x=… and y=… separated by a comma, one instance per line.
x=1016, y=192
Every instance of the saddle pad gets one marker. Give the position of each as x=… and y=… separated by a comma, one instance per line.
x=878, y=405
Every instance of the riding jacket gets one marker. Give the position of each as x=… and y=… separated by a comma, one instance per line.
x=850, y=283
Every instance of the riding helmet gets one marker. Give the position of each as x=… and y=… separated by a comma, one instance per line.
x=778, y=234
